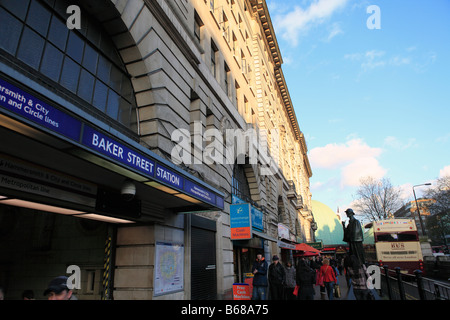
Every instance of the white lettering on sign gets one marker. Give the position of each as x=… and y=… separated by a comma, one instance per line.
x=140, y=162
x=107, y=146
x=167, y=176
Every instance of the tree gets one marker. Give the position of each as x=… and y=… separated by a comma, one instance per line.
x=438, y=223
x=376, y=199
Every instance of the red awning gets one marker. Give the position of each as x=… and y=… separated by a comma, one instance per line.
x=306, y=248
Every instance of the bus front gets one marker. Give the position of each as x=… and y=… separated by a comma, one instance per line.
x=397, y=245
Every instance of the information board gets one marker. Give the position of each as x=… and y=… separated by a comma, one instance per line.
x=169, y=268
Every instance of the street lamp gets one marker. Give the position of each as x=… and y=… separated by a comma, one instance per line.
x=417, y=206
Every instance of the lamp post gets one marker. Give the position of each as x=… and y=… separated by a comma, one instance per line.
x=418, y=211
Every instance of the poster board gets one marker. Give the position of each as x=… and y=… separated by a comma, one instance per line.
x=169, y=268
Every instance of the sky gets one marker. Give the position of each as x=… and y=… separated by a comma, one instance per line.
x=370, y=88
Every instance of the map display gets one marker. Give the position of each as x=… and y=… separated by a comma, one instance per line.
x=169, y=268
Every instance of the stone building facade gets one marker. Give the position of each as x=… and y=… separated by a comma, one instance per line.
x=183, y=101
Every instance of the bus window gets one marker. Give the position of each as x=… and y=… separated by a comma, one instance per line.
x=392, y=237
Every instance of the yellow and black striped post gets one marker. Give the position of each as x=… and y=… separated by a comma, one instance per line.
x=107, y=270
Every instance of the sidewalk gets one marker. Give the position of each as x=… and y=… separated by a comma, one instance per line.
x=345, y=295
x=342, y=285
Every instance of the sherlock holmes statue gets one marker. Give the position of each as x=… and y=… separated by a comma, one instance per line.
x=353, y=235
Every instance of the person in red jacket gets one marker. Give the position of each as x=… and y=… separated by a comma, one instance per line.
x=329, y=278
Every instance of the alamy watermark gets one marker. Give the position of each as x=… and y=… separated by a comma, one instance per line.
x=374, y=21
x=74, y=280
x=373, y=277
x=74, y=20
x=229, y=146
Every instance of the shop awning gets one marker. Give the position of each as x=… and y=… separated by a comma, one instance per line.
x=264, y=236
x=306, y=248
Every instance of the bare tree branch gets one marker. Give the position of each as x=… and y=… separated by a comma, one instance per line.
x=376, y=199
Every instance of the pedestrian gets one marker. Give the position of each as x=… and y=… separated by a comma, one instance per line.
x=313, y=264
x=58, y=290
x=290, y=281
x=358, y=280
x=277, y=278
x=2, y=293
x=329, y=278
x=260, y=283
x=306, y=278
x=319, y=261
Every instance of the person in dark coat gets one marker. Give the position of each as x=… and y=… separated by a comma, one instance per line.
x=277, y=279
x=260, y=283
x=306, y=279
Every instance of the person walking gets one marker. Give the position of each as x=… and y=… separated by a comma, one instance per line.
x=329, y=278
x=260, y=283
x=290, y=281
x=305, y=278
x=277, y=279
x=358, y=280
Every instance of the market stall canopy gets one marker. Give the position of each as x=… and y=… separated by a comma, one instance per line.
x=306, y=250
x=306, y=254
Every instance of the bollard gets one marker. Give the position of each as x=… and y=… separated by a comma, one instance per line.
x=400, y=283
x=419, y=279
x=388, y=283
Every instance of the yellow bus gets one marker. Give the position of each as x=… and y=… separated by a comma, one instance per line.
x=395, y=243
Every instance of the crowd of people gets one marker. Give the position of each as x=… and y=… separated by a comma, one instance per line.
x=288, y=282
x=57, y=290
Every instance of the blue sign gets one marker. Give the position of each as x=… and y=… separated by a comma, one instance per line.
x=117, y=151
x=240, y=215
x=200, y=192
x=27, y=106
x=219, y=202
x=257, y=215
x=257, y=219
x=169, y=177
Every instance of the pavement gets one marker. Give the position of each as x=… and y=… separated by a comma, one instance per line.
x=345, y=293
x=343, y=288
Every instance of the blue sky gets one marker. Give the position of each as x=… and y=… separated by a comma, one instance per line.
x=369, y=101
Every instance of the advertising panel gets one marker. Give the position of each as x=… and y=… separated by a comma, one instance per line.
x=240, y=221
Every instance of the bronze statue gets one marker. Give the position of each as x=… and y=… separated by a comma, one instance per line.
x=353, y=235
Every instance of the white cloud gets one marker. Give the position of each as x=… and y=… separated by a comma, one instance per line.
x=335, y=30
x=352, y=173
x=373, y=59
x=444, y=172
x=443, y=138
x=395, y=143
x=406, y=193
x=353, y=56
x=299, y=20
x=399, y=60
x=335, y=155
x=355, y=159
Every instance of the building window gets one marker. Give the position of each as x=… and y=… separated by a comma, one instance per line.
x=237, y=97
x=240, y=187
x=226, y=76
x=214, y=52
x=85, y=62
x=198, y=23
